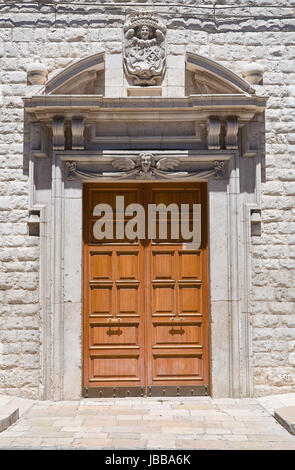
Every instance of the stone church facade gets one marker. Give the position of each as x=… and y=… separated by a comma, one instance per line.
x=137, y=97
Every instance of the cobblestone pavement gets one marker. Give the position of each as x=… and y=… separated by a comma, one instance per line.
x=148, y=423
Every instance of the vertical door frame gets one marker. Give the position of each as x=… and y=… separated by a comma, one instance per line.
x=229, y=282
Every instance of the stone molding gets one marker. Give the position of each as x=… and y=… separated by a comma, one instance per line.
x=243, y=106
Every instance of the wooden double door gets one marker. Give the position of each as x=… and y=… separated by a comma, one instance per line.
x=145, y=300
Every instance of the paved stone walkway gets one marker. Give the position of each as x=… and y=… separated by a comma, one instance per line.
x=147, y=423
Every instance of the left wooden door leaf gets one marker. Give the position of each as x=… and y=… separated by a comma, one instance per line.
x=114, y=301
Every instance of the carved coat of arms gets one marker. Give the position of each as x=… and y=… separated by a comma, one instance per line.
x=144, y=48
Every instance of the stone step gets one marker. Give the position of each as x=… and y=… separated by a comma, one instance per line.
x=8, y=416
x=286, y=417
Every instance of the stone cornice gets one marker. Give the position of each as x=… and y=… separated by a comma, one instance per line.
x=92, y=106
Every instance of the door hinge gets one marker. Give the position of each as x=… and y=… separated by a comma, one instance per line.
x=85, y=392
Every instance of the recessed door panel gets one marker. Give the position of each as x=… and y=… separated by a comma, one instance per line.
x=185, y=367
x=177, y=334
x=108, y=335
x=119, y=368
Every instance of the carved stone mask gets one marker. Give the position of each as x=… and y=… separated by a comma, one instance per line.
x=144, y=32
x=146, y=162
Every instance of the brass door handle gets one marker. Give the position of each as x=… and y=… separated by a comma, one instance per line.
x=176, y=318
x=115, y=319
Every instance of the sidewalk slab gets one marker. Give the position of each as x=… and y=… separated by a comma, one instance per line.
x=286, y=417
x=273, y=402
x=189, y=422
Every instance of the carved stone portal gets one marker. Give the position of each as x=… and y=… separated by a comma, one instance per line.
x=144, y=48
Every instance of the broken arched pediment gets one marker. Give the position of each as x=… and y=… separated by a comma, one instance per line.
x=205, y=76
x=87, y=83
x=85, y=77
x=204, y=83
x=74, y=107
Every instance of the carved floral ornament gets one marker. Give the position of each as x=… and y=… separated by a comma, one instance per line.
x=144, y=48
x=146, y=166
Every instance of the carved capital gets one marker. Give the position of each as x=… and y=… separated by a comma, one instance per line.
x=231, y=133
x=213, y=139
x=58, y=133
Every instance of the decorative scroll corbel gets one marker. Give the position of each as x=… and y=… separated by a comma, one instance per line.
x=77, y=134
x=213, y=139
x=72, y=168
x=58, y=133
x=231, y=133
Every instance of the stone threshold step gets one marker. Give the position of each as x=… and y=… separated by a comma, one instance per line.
x=286, y=417
x=8, y=416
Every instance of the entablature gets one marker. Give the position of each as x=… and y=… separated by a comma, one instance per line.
x=243, y=106
x=195, y=122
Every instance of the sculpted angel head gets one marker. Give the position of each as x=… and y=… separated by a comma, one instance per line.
x=146, y=159
x=144, y=32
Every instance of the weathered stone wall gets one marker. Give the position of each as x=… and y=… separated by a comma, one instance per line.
x=230, y=33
